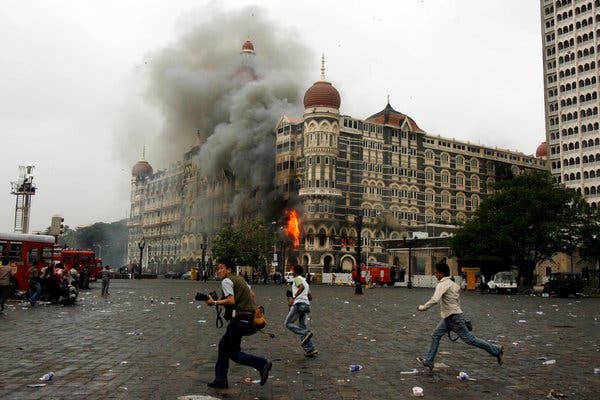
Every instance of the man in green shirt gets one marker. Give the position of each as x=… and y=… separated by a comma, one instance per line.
x=238, y=295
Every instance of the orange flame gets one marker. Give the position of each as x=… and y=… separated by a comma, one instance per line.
x=293, y=227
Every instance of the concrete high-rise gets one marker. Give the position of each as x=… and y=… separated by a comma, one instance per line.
x=570, y=30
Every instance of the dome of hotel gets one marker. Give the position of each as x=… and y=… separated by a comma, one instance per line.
x=141, y=168
x=389, y=116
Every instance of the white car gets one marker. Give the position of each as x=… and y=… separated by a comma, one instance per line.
x=504, y=281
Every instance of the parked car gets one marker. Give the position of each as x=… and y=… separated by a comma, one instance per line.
x=173, y=274
x=504, y=281
x=564, y=284
x=187, y=275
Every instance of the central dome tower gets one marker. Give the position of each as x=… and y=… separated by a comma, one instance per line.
x=322, y=93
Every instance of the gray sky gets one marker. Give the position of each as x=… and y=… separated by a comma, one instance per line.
x=73, y=81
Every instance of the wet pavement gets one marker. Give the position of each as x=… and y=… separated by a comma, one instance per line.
x=150, y=340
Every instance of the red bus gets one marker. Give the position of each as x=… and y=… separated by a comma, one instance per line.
x=25, y=251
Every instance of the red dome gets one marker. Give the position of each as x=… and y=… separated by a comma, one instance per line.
x=141, y=168
x=542, y=150
x=247, y=46
x=322, y=94
x=389, y=116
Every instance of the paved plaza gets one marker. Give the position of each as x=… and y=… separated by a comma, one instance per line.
x=151, y=340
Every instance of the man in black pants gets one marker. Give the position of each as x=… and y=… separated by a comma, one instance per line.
x=238, y=295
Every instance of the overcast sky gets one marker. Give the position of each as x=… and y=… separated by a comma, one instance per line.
x=72, y=81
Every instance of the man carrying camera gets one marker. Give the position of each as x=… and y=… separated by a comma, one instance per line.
x=299, y=303
x=238, y=296
x=447, y=293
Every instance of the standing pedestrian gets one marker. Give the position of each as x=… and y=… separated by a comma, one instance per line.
x=300, y=307
x=237, y=295
x=6, y=273
x=105, y=280
x=447, y=293
x=35, y=286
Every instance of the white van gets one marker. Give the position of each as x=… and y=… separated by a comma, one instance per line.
x=503, y=282
x=288, y=276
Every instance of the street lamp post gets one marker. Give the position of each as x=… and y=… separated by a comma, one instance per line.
x=141, y=245
x=99, y=246
x=410, y=243
x=358, y=283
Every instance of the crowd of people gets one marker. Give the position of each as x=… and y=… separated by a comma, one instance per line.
x=53, y=283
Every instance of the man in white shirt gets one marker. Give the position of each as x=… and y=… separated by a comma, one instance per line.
x=447, y=293
x=299, y=307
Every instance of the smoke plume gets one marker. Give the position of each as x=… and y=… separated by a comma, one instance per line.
x=210, y=94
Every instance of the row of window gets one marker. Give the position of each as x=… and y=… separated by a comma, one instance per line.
x=585, y=128
x=585, y=112
x=584, y=144
x=585, y=159
x=582, y=83
x=571, y=101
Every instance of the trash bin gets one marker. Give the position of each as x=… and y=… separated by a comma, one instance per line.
x=193, y=274
x=317, y=278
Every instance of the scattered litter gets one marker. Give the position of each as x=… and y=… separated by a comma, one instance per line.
x=542, y=358
x=555, y=395
x=201, y=321
x=355, y=367
x=373, y=340
x=441, y=365
x=414, y=371
x=124, y=362
x=135, y=333
x=196, y=397
x=539, y=312
x=463, y=376
x=171, y=303
x=172, y=365
x=522, y=321
x=146, y=310
x=47, y=377
x=251, y=381
x=122, y=388
x=346, y=302
x=445, y=352
x=597, y=371
x=549, y=362
x=36, y=385
x=545, y=295
x=417, y=391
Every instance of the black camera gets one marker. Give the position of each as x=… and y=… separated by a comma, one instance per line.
x=204, y=297
x=289, y=294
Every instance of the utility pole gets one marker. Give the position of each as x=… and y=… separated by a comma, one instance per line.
x=358, y=283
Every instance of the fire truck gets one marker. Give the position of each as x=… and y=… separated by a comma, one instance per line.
x=89, y=265
x=376, y=273
x=26, y=250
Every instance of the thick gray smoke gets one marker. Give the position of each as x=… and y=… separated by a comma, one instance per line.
x=229, y=102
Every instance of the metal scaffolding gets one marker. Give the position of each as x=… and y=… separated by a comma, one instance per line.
x=24, y=188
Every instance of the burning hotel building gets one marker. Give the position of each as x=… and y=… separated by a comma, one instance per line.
x=330, y=167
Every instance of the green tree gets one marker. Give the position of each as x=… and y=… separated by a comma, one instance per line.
x=108, y=240
x=249, y=243
x=527, y=220
x=590, y=241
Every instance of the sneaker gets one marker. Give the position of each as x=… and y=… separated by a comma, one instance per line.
x=500, y=356
x=264, y=373
x=218, y=385
x=311, y=353
x=425, y=363
x=306, y=338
